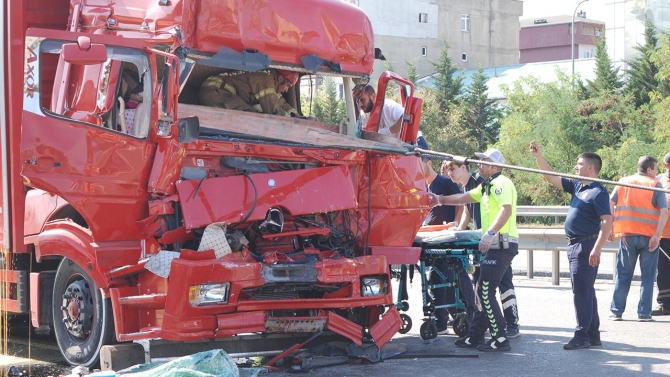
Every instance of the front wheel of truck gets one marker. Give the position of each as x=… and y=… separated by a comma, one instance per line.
x=82, y=316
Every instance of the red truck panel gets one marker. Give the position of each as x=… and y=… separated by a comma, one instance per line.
x=229, y=199
x=283, y=29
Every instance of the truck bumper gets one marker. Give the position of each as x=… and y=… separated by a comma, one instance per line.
x=247, y=313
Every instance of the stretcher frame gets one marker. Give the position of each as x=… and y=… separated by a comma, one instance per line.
x=464, y=251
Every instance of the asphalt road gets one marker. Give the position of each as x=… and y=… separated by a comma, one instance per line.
x=630, y=348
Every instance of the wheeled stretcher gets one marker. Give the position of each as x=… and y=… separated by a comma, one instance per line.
x=460, y=250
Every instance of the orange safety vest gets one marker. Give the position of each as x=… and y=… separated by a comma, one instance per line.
x=665, y=182
x=634, y=213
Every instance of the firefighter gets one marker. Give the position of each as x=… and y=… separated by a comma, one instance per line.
x=242, y=91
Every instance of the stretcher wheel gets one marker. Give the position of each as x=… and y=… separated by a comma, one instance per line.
x=428, y=330
x=461, y=325
x=404, y=306
x=406, y=324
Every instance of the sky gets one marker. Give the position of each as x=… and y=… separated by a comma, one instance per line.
x=594, y=9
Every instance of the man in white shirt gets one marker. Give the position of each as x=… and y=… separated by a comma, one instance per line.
x=391, y=116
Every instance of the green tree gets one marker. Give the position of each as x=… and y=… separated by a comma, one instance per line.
x=480, y=115
x=327, y=107
x=642, y=72
x=660, y=106
x=545, y=112
x=441, y=118
x=388, y=65
x=607, y=77
x=447, y=87
x=612, y=118
x=411, y=70
x=442, y=129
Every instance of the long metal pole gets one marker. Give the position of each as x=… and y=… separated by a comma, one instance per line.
x=465, y=160
x=572, y=44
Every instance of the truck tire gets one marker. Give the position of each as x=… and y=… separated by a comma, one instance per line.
x=82, y=317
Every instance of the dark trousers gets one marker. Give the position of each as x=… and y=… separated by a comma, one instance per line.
x=583, y=278
x=507, y=297
x=439, y=295
x=488, y=314
x=447, y=295
x=663, y=277
x=467, y=294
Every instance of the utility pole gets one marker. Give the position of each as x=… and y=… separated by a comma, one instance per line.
x=572, y=45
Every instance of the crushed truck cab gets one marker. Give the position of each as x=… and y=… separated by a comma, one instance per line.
x=132, y=212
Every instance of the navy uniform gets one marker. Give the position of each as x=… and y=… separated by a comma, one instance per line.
x=442, y=185
x=582, y=226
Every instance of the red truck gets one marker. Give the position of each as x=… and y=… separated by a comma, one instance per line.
x=167, y=219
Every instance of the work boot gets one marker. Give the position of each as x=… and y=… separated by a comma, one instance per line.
x=575, y=344
x=495, y=345
x=660, y=310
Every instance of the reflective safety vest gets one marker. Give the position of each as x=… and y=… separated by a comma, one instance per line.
x=634, y=213
x=665, y=182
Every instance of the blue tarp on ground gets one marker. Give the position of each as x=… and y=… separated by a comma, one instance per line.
x=215, y=363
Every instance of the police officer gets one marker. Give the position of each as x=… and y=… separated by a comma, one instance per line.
x=243, y=90
x=500, y=242
x=460, y=173
x=587, y=228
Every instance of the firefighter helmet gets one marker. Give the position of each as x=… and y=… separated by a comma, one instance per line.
x=291, y=76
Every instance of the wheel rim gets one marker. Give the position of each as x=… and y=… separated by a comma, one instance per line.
x=77, y=309
x=406, y=324
x=461, y=326
x=428, y=330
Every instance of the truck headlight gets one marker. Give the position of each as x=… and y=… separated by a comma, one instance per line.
x=374, y=286
x=208, y=294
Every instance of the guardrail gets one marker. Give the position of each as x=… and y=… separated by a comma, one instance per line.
x=541, y=210
x=549, y=239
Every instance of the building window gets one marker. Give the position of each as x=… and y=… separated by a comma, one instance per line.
x=424, y=51
x=340, y=91
x=423, y=18
x=465, y=22
x=588, y=30
x=464, y=57
x=598, y=31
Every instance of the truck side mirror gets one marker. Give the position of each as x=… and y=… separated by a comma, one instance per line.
x=189, y=129
x=84, y=52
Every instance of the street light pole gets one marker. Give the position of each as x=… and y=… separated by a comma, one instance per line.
x=572, y=45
